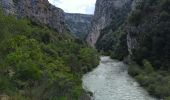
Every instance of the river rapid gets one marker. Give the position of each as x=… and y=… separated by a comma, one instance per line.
x=110, y=81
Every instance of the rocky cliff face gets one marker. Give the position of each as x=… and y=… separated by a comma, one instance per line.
x=78, y=24
x=8, y=6
x=148, y=31
x=132, y=42
x=39, y=11
x=107, y=13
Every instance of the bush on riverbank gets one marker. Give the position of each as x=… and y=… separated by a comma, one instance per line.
x=156, y=82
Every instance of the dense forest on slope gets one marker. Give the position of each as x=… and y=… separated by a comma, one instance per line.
x=37, y=63
x=145, y=37
x=151, y=23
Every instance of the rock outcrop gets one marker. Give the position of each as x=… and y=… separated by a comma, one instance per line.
x=8, y=6
x=78, y=24
x=107, y=12
x=39, y=11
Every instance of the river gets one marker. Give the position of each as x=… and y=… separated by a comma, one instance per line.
x=110, y=81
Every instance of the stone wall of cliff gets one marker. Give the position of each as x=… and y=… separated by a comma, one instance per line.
x=78, y=24
x=148, y=40
x=39, y=11
x=139, y=26
x=148, y=32
x=107, y=13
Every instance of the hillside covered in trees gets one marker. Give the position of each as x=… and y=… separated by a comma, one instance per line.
x=151, y=22
x=37, y=63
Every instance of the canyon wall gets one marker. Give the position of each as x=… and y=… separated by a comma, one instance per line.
x=78, y=24
x=139, y=28
x=107, y=13
x=39, y=11
x=148, y=30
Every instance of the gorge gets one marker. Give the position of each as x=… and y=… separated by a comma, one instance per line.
x=137, y=32
x=78, y=24
x=45, y=52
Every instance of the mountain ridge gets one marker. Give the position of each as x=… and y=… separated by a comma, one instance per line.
x=78, y=24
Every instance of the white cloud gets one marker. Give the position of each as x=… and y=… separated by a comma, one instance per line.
x=75, y=6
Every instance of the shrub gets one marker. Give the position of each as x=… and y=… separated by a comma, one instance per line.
x=134, y=69
x=164, y=16
x=167, y=98
x=88, y=58
x=121, y=50
x=135, y=17
x=5, y=85
x=165, y=5
x=147, y=66
x=162, y=91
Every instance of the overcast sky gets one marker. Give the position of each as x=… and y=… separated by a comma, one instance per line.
x=75, y=6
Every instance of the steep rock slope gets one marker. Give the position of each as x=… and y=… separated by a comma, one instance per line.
x=39, y=11
x=78, y=24
x=148, y=31
x=148, y=41
x=107, y=13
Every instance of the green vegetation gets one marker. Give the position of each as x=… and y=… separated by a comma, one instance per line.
x=113, y=44
x=149, y=25
x=157, y=83
x=154, y=45
x=135, y=17
x=112, y=40
x=154, y=41
x=37, y=63
x=121, y=49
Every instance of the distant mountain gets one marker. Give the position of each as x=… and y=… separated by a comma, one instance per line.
x=78, y=24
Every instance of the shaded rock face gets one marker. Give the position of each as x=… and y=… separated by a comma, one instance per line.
x=132, y=41
x=106, y=12
x=147, y=30
x=39, y=11
x=137, y=32
x=8, y=6
x=78, y=24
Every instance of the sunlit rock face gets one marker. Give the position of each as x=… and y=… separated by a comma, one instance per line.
x=106, y=12
x=39, y=11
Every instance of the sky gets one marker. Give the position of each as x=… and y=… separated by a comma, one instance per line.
x=75, y=6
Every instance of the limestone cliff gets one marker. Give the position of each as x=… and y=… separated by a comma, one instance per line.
x=148, y=30
x=78, y=24
x=107, y=13
x=39, y=11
